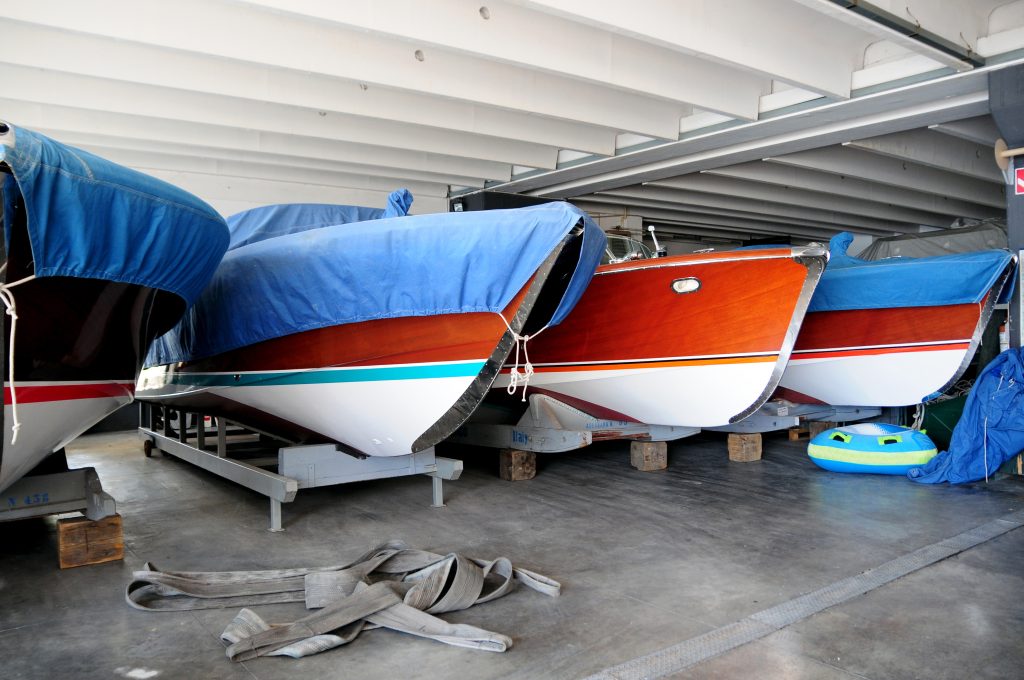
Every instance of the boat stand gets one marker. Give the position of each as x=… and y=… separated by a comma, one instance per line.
x=552, y=426
x=745, y=435
x=70, y=491
x=777, y=415
x=243, y=455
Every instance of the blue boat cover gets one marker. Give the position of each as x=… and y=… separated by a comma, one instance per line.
x=91, y=218
x=269, y=221
x=991, y=429
x=320, y=276
x=852, y=283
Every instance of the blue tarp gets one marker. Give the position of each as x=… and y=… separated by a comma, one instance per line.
x=322, y=276
x=991, y=429
x=852, y=283
x=91, y=218
x=269, y=221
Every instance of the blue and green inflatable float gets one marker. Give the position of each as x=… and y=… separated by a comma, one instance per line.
x=877, y=448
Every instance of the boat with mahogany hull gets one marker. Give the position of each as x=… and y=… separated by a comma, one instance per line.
x=690, y=340
x=99, y=260
x=393, y=335
x=893, y=332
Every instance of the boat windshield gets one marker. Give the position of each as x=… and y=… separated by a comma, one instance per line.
x=624, y=249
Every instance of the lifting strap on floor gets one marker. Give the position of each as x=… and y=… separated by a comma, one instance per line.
x=391, y=586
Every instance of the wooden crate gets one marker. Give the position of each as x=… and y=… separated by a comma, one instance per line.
x=799, y=432
x=816, y=427
x=515, y=465
x=648, y=456
x=82, y=541
x=744, y=448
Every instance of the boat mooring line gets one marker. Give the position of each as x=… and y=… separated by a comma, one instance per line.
x=691, y=652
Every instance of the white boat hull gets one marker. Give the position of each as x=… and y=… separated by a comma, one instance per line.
x=378, y=417
x=896, y=379
x=692, y=396
x=51, y=415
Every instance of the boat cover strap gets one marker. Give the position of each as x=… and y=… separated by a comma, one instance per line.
x=88, y=217
x=391, y=586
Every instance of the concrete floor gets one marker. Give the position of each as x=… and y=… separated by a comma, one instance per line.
x=646, y=560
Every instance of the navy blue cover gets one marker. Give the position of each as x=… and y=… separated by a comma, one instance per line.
x=418, y=265
x=852, y=283
x=91, y=218
x=991, y=429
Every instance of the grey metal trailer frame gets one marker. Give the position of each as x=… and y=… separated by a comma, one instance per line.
x=298, y=466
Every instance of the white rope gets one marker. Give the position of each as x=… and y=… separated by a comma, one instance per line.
x=515, y=377
x=7, y=297
x=918, y=417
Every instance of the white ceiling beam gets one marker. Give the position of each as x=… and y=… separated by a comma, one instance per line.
x=1002, y=42
x=219, y=189
x=788, y=195
x=99, y=94
x=782, y=225
x=864, y=165
x=219, y=28
x=980, y=130
x=830, y=184
x=394, y=176
x=516, y=35
x=916, y=105
x=925, y=147
x=769, y=37
x=958, y=22
x=168, y=130
x=880, y=31
x=89, y=55
x=757, y=207
x=893, y=69
x=149, y=162
x=740, y=223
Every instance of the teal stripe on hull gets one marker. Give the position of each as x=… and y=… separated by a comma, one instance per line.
x=342, y=375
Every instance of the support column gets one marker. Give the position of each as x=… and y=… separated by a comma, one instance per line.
x=1006, y=101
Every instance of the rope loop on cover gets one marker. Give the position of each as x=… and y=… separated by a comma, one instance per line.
x=7, y=297
x=515, y=376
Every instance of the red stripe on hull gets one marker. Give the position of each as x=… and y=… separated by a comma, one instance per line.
x=770, y=358
x=630, y=312
x=34, y=394
x=958, y=346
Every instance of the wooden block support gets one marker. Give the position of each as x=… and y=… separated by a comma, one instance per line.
x=744, y=448
x=797, y=433
x=82, y=541
x=816, y=427
x=515, y=466
x=648, y=456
